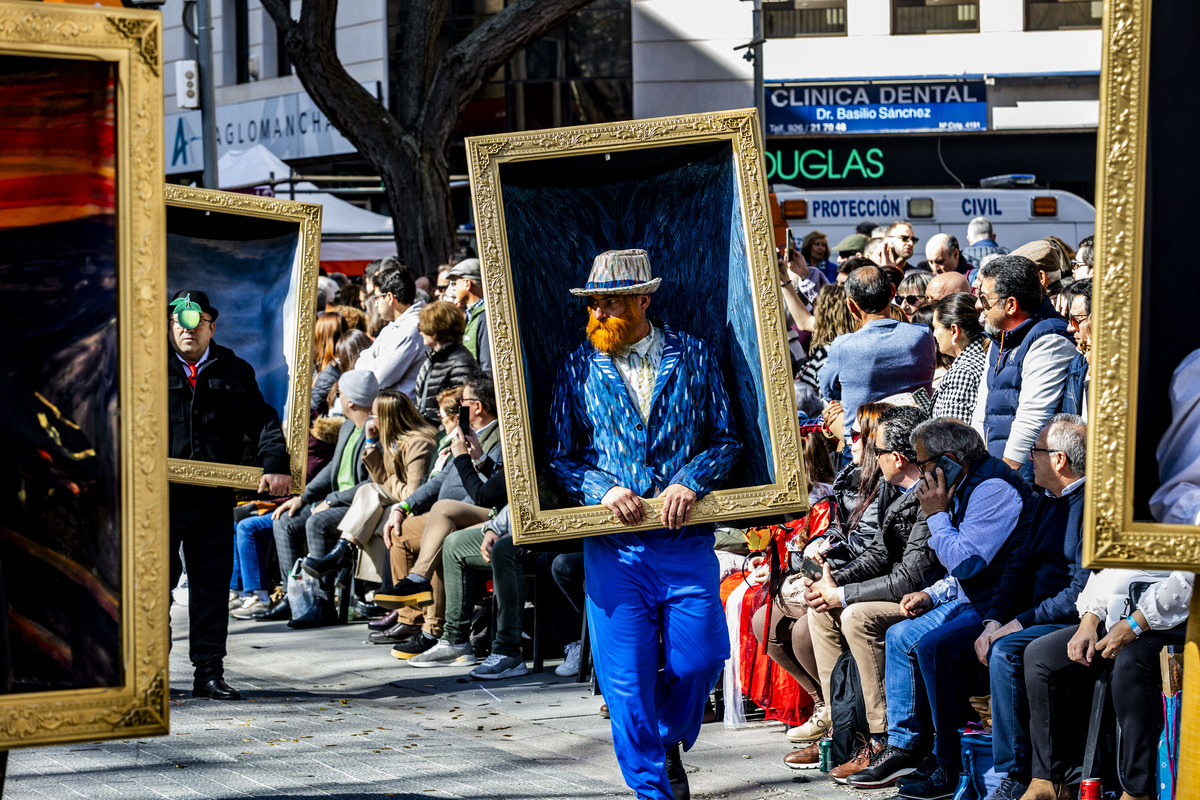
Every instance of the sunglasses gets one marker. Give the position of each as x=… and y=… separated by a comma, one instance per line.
x=855, y=436
x=1079, y=319
x=907, y=239
x=911, y=299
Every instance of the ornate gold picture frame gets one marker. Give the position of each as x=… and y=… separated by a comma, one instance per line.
x=85, y=524
x=1143, y=294
x=257, y=258
x=691, y=190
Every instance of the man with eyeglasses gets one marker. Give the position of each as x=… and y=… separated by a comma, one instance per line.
x=902, y=242
x=851, y=608
x=397, y=354
x=465, y=288
x=1027, y=362
x=1079, y=372
x=214, y=405
x=976, y=523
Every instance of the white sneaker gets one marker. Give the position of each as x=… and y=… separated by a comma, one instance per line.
x=570, y=665
x=248, y=607
x=444, y=654
x=236, y=600
x=497, y=666
x=813, y=729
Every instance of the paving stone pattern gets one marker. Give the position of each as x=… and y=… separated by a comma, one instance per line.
x=326, y=715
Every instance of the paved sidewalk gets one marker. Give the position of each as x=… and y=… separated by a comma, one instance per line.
x=327, y=715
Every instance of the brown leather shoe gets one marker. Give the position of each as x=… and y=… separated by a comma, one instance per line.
x=807, y=757
x=1041, y=789
x=388, y=620
x=861, y=760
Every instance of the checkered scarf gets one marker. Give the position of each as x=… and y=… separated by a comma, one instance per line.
x=955, y=396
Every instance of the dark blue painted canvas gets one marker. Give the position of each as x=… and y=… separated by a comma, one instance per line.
x=679, y=203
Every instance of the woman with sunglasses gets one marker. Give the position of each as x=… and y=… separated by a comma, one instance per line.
x=959, y=336
x=910, y=294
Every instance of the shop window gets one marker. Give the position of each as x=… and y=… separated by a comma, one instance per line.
x=1057, y=15
x=787, y=19
x=235, y=41
x=934, y=16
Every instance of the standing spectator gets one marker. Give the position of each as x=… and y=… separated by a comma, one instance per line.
x=466, y=289
x=1177, y=499
x=945, y=284
x=1079, y=323
x=902, y=241
x=850, y=247
x=884, y=356
x=1050, y=260
x=815, y=249
x=960, y=336
x=212, y=422
x=981, y=241
x=943, y=254
x=1081, y=264
x=1027, y=363
x=447, y=363
x=397, y=354
x=328, y=330
x=806, y=278
x=911, y=291
x=442, y=283
x=831, y=318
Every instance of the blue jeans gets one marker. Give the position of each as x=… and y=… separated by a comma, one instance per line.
x=952, y=674
x=251, y=538
x=902, y=677
x=1010, y=702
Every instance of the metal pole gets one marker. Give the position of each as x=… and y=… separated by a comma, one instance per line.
x=760, y=102
x=208, y=94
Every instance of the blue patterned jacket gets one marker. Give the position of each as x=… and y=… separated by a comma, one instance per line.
x=597, y=440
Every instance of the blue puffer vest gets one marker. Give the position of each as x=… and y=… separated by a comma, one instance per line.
x=1005, y=361
x=977, y=579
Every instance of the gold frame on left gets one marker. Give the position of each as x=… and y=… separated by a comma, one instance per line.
x=306, y=219
x=137, y=704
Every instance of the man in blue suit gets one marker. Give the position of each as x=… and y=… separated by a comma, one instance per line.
x=641, y=411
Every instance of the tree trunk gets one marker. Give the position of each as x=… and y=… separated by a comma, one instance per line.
x=418, y=190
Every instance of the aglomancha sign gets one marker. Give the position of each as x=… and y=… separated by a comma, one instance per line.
x=798, y=109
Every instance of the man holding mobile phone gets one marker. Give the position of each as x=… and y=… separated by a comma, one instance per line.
x=977, y=521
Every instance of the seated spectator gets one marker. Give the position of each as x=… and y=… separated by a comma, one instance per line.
x=354, y=316
x=1027, y=362
x=1126, y=616
x=251, y=537
x=397, y=452
x=447, y=364
x=959, y=336
x=850, y=608
x=457, y=497
x=1036, y=595
x=911, y=292
x=308, y=524
x=884, y=356
x=397, y=353
x=976, y=523
x=788, y=643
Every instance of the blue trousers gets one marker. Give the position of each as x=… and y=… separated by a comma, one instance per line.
x=659, y=641
x=251, y=537
x=952, y=674
x=902, y=675
x=1010, y=702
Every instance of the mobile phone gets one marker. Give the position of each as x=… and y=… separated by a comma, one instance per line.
x=464, y=419
x=950, y=468
x=811, y=569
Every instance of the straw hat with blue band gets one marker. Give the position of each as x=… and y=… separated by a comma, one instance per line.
x=619, y=272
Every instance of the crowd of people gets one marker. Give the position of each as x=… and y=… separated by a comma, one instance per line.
x=953, y=397
x=946, y=409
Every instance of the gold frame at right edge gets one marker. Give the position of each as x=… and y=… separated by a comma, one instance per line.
x=131, y=41
x=1112, y=537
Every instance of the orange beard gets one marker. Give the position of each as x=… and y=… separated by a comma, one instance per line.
x=615, y=333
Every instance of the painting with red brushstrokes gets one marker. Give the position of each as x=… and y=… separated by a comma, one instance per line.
x=60, y=551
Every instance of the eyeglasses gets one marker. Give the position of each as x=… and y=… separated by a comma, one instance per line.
x=907, y=239
x=462, y=401
x=987, y=302
x=1079, y=319
x=912, y=299
x=371, y=298
x=441, y=287
x=1033, y=450
x=1075, y=262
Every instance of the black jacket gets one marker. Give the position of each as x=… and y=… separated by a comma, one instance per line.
x=323, y=486
x=210, y=422
x=443, y=369
x=849, y=543
x=898, y=560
